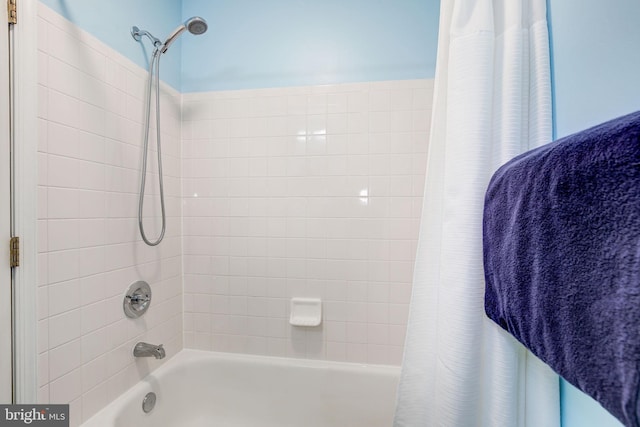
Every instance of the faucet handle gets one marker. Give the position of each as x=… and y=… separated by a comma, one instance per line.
x=138, y=298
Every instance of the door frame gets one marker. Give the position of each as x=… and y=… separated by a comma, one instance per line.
x=6, y=284
x=25, y=295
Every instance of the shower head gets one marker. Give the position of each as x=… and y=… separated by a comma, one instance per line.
x=194, y=25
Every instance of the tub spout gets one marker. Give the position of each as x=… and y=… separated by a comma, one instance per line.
x=143, y=349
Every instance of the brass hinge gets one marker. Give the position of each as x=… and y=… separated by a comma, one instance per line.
x=14, y=252
x=12, y=11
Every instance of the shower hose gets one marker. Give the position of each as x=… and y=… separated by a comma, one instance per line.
x=153, y=66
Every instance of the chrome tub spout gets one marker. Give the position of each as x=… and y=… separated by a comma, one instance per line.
x=143, y=349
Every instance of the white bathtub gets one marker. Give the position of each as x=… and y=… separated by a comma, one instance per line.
x=206, y=389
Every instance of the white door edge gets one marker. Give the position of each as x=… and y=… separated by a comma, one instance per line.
x=25, y=210
x=5, y=222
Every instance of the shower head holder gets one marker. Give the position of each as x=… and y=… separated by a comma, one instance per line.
x=137, y=34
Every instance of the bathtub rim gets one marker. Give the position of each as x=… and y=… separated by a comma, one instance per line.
x=109, y=413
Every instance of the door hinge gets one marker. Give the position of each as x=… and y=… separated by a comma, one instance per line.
x=14, y=252
x=12, y=11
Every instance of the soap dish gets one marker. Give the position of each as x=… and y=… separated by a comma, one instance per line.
x=306, y=312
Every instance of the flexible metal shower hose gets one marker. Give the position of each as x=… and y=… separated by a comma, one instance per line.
x=155, y=63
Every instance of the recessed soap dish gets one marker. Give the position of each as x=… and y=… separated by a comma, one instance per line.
x=306, y=312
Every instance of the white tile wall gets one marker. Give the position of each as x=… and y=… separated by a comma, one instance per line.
x=90, y=125
x=303, y=192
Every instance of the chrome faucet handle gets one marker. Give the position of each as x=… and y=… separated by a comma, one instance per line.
x=138, y=298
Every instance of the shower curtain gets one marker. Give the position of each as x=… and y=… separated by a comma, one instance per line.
x=492, y=101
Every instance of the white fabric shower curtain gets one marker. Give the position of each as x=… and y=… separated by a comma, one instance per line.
x=492, y=101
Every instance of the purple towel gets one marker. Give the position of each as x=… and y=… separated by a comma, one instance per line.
x=562, y=259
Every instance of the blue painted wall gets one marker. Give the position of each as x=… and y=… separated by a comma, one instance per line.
x=275, y=43
x=596, y=52
x=596, y=67
x=111, y=21
x=257, y=43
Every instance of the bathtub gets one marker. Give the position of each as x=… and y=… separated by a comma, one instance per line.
x=207, y=389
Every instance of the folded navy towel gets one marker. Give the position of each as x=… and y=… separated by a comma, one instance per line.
x=562, y=259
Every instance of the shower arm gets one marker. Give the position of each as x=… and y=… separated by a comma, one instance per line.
x=137, y=34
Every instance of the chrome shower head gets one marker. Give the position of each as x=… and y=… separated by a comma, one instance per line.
x=195, y=25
